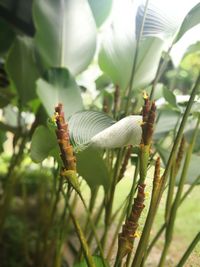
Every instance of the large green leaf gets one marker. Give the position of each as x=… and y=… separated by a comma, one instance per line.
x=100, y=10
x=43, y=143
x=22, y=69
x=92, y=168
x=65, y=33
x=119, y=44
x=191, y=20
x=59, y=86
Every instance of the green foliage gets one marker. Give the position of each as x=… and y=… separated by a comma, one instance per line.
x=65, y=33
x=22, y=69
x=43, y=144
x=92, y=168
x=59, y=86
x=7, y=36
x=100, y=10
x=191, y=20
x=97, y=260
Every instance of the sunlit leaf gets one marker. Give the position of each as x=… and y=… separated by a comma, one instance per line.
x=191, y=20
x=59, y=86
x=98, y=263
x=100, y=10
x=119, y=44
x=65, y=33
x=21, y=67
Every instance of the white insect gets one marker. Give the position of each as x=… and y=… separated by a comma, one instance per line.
x=125, y=132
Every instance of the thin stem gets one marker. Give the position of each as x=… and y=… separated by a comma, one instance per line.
x=82, y=239
x=135, y=59
x=180, y=131
x=172, y=217
x=189, y=251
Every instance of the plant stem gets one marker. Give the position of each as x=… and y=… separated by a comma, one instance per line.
x=180, y=131
x=135, y=59
x=172, y=217
x=82, y=239
x=189, y=251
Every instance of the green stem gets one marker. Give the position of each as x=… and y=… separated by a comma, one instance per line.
x=189, y=251
x=82, y=240
x=162, y=228
x=170, y=194
x=180, y=131
x=172, y=217
x=135, y=59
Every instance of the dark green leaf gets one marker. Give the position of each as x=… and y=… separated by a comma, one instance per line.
x=191, y=20
x=97, y=260
x=7, y=36
x=102, y=82
x=100, y=10
x=59, y=86
x=2, y=140
x=169, y=96
x=92, y=168
x=22, y=68
x=65, y=33
x=43, y=143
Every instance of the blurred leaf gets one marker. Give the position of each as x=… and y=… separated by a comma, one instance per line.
x=100, y=10
x=2, y=140
x=7, y=36
x=119, y=43
x=43, y=144
x=22, y=69
x=11, y=115
x=86, y=124
x=191, y=20
x=163, y=152
x=65, y=33
x=5, y=97
x=193, y=170
x=102, y=82
x=97, y=260
x=92, y=168
x=167, y=121
x=59, y=86
x=188, y=135
x=169, y=96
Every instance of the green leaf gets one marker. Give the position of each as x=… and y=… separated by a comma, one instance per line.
x=97, y=260
x=7, y=36
x=65, y=33
x=167, y=122
x=43, y=143
x=92, y=168
x=193, y=170
x=100, y=10
x=191, y=20
x=102, y=82
x=59, y=86
x=21, y=67
x=169, y=96
x=119, y=44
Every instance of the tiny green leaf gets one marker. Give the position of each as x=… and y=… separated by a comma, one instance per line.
x=169, y=96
